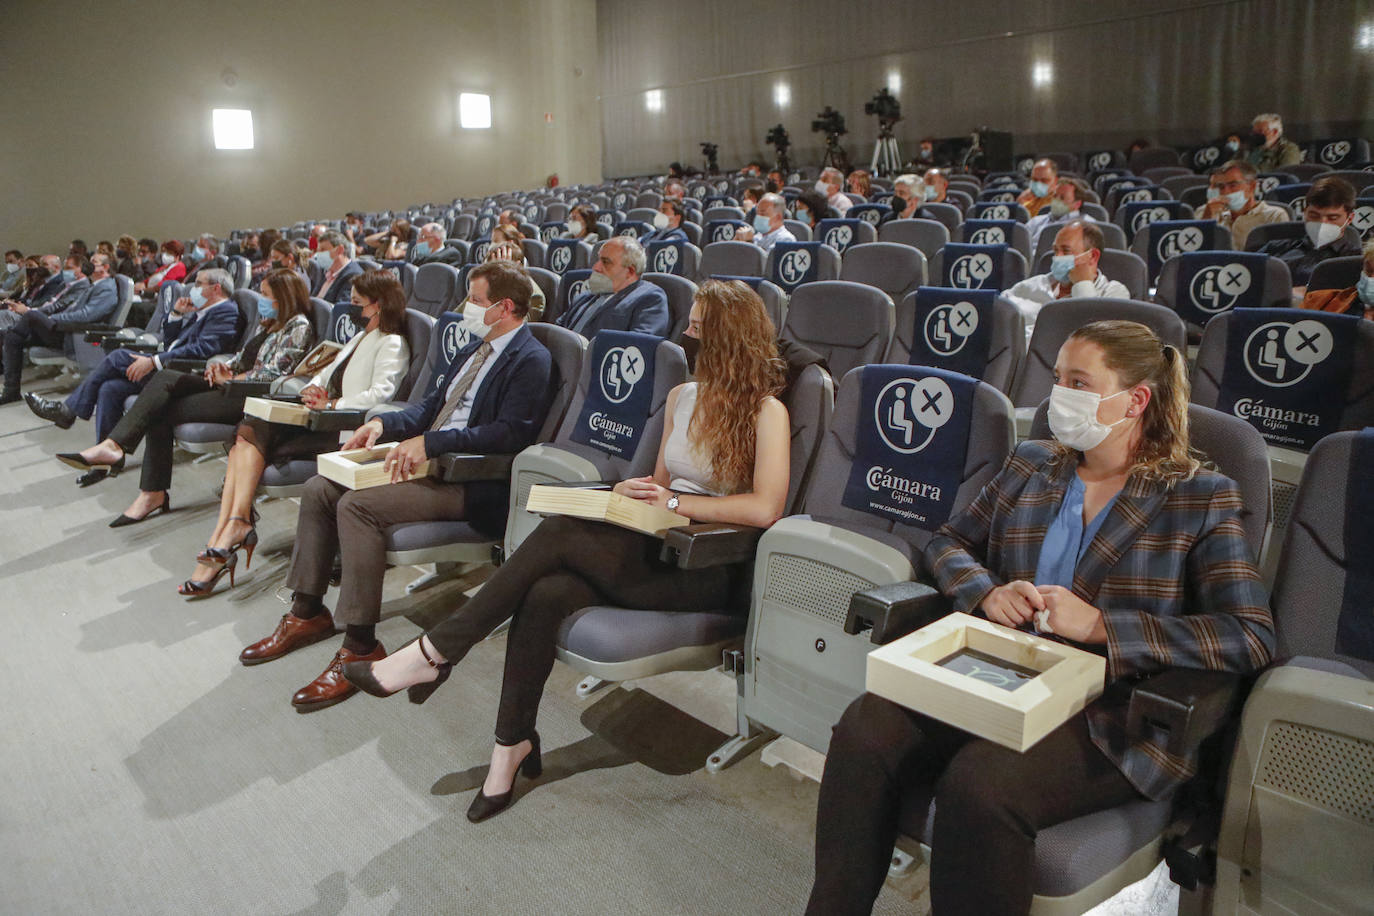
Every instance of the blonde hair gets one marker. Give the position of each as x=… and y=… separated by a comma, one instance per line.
x=1139, y=357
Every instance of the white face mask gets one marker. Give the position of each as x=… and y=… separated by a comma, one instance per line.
x=1323, y=234
x=1073, y=417
x=822, y=188
x=575, y=226
x=660, y=221
x=474, y=318
x=11, y=267
x=168, y=259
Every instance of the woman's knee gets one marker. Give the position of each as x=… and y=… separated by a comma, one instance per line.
x=981, y=778
x=873, y=726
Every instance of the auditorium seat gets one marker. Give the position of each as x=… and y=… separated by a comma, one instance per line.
x=947, y=214
x=926, y=235
x=792, y=264
x=680, y=292
x=1010, y=210
x=734, y=258
x=1125, y=267
x=1112, y=237
x=995, y=232
x=674, y=257
x=895, y=269
x=434, y=289
x=66, y=355
x=1005, y=349
x=1337, y=273
x=840, y=234
x=848, y=324
x=1152, y=157
x=1163, y=239
x=977, y=266
x=1294, y=229
x=571, y=284
x=1202, y=284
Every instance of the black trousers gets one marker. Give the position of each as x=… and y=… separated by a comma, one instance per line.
x=33, y=330
x=990, y=802
x=566, y=565
x=168, y=399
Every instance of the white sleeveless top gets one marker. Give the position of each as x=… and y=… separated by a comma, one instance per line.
x=689, y=471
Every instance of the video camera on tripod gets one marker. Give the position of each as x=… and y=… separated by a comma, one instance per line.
x=710, y=151
x=887, y=109
x=778, y=139
x=831, y=123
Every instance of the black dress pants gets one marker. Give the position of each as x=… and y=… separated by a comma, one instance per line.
x=990, y=802
x=566, y=565
x=168, y=400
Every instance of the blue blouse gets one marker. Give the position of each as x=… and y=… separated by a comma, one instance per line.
x=1068, y=538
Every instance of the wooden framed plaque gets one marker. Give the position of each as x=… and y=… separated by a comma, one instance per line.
x=286, y=412
x=601, y=505
x=360, y=468
x=1009, y=687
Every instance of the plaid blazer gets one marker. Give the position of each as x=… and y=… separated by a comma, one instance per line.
x=1169, y=569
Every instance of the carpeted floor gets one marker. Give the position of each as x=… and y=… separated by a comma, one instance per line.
x=149, y=772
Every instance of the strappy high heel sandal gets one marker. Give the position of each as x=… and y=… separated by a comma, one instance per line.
x=249, y=543
x=199, y=588
x=359, y=674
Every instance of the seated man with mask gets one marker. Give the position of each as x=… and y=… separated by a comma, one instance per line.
x=1270, y=150
x=1044, y=179
x=936, y=184
x=667, y=223
x=1073, y=274
x=830, y=185
x=205, y=254
x=431, y=248
x=767, y=229
x=1065, y=207
x=1330, y=204
x=334, y=257
x=617, y=299
x=1231, y=201
x=908, y=193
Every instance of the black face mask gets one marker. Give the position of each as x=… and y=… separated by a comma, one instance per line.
x=121, y=253
x=250, y=252
x=1256, y=140
x=691, y=346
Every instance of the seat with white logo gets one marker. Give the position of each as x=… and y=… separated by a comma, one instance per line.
x=636, y=228
x=1291, y=382
x=995, y=211
x=744, y=259
x=951, y=325
x=1163, y=239
x=999, y=194
x=711, y=214
x=793, y=264
x=1362, y=219
x=674, y=256
x=1338, y=153
x=680, y=292
x=848, y=324
x=1202, y=284
x=995, y=232
x=977, y=266
x=1158, y=174
x=1136, y=215
x=1126, y=268
x=641, y=214
x=455, y=546
x=1122, y=193
x=873, y=214
x=434, y=289
x=774, y=299
x=925, y=235
x=895, y=269
x=841, y=233
x=804, y=656
x=563, y=255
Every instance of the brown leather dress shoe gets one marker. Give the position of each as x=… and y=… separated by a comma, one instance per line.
x=331, y=687
x=291, y=633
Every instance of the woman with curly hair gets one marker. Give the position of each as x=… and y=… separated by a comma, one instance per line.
x=723, y=458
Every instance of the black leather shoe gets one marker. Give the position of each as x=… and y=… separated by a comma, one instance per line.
x=59, y=413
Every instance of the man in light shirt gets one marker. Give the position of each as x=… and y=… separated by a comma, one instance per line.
x=768, y=228
x=831, y=184
x=1073, y=274
x=1065, y=207
x=1234, y=205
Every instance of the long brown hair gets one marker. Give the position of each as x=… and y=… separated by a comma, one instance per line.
x=291, y=295
x=384, y=289
x=1138, y=357
x=737, y=367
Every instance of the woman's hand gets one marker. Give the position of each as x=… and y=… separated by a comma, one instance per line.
x=644, y=488
x=1013, y=604
x=218, y=373
x=314, y=397
x=1071, y=617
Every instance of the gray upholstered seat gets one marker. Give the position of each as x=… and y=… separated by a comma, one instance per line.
x=680, y=292
x=434, y=289
x=891, y=267
x=1013, y=269
x=74, y=341
x=978, y=232
x=926, y=235
x=1161, y=240
x=674, y=257
x=734, y=258
x=791, y=264
x=1006, y=349
x=1276, y=288
x=861, y=337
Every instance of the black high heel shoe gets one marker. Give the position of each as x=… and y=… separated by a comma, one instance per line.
x=199, y=588
x=359, y=674
x=485, y=806
x=163, y=509
x=249, y=543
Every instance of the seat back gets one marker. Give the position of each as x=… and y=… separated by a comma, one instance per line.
x=434, y=289
x=641, y=214
x=632, y=227
x=940, y=327
x=800, y=230
x=1336, y=273
x=674, y=256
x=873, y=214
x=810, y=405
x=947, y=215
x=680, y=292
x=571, y=284
x=995, y=232
x=345, y=321
x=997, y=211
x=419, y=336
x=842, y=233
x=1201, y=284
x=534, y=252
x=547, y=283
x=1338, y=152
x=1136, y=215
x=240, y=271
x=320, y=313
x=1161, y=240
x=167, y=294
x=1060, y=318
x=1122, y=192
x=849, y=324
x=1152, y=157
x=895, y=269
x=1294, y=229
x=926, y=235
x=722, y=230
x=733, y=258
x=567, y=350
x=1122, y=266
x=563, y=255
x=774, y=299
x=1104, y=159
x=962, y=266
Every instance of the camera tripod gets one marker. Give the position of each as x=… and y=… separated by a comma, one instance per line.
x=834, y=154
x=887, y=160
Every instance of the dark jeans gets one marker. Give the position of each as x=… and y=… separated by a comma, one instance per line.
x=990, y=802
x=168, y=399
x=33, y=330
x=566, y=565
x=102, y=393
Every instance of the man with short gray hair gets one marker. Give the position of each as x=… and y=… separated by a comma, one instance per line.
x=337, y=269
x=432, y=248
x=617, y=299
x=831, y=184
x=1231, y=201
x=1270, y=150
x=908, y=193
x=205, y=254
x=768, y=228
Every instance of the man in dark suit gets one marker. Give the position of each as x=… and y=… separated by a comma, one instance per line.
x=431, y=248
x=206, y=256
x=48, y=325
x=197, y=327
x=39, y=292
x=337, y=268
x=617, y=299
x=667, y=223
x=491, y=399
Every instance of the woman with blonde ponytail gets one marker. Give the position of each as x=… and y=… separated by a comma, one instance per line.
x=1113, y=537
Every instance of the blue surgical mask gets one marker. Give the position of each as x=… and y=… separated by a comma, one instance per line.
x=267, y=309
x=198, y=296
x=1061, y=265
x=323, y=260
x=422, y=249
x=69, y=276
x=1039, y=189
x=762, y=223
x=1233, y=145
x=1365, y=287
x=1236, y=200
x=805, y=217
x=929, y=193
x=200, y=253
x=1213, y=193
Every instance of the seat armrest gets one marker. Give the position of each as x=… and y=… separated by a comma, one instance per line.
x=97, y=333
x=708, y=544
x=133, y=346
x=456, y=468
x=1189, y=703
x=82, y=327
x=186, y=365
x=333, y=421
x=894, y=610
x=237, y=387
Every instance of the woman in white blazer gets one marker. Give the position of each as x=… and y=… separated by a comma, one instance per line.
x=365, y=373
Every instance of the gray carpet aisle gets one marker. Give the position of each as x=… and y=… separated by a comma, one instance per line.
x=148, y=772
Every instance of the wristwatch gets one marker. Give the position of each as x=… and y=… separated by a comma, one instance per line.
x=673, y=501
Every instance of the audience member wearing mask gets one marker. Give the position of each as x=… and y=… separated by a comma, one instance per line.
x=908, y=194
x=1270, y=150
x=1231, y=201
x=264, y=265
x=810, y=208
x=1330, y=204
x=431, y=247
x=582, y=223
x=925, y=152
x=936, y=184
x=1073, y=274
x=616, y=298
x=1044, y=178
x=126, y=265
x=148, y=263
x=1354, y=300
x=282, y=256
x=44, y=283
x=13, y=282
x=775, y=182
x=337, y=268
x=365, y=373
x=1065, y=207
x=170, y=268
x=48, y=325
x=828, y=185
x=205, y=255
x=767, y=228
x=667, y=222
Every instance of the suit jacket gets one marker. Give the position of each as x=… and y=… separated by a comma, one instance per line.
x=97, y=302
x=1169, y=569
x=446, y=255
x=507, y=411
x=41, y=294
x=342, y=288
x=664, y=235
x=641, y=307
x=66, y=296
x=216, y=330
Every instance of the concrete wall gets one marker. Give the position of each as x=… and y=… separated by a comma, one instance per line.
x=355, y=106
